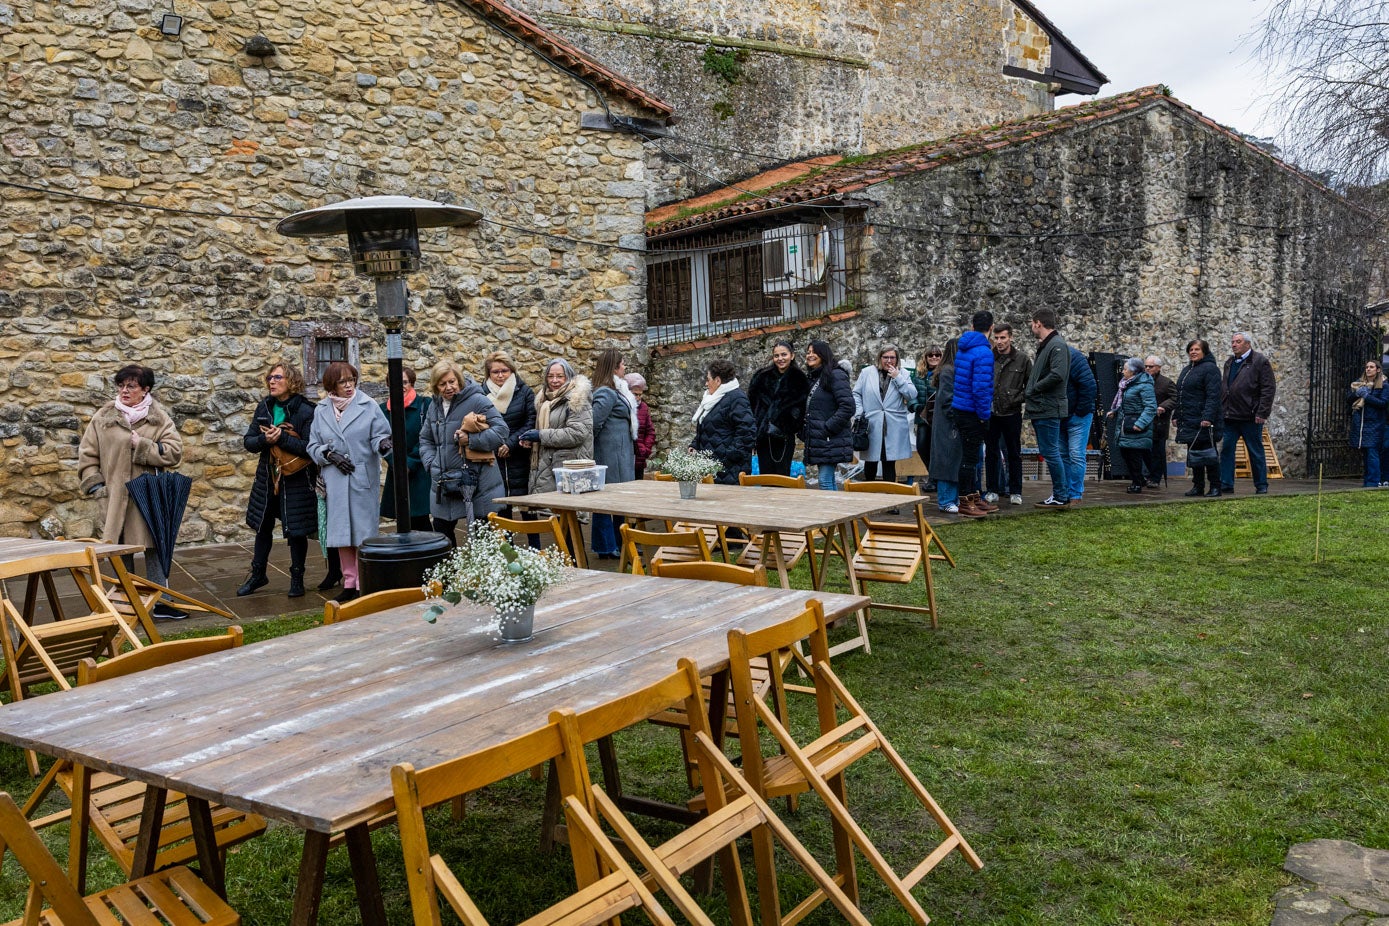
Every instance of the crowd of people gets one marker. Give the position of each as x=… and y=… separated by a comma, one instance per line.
x=961, y=408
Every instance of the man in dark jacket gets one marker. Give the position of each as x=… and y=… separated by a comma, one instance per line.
x=1247, y=403
x=972, y=405
x=1080, y=418
x=1046, y=401
x=1004, y=441
x=1166, y=402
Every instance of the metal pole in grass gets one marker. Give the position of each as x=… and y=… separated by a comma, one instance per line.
x=1316, y=549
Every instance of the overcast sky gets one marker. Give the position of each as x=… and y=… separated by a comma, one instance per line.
x=1197, y=47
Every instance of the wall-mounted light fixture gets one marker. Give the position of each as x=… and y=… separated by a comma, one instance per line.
x=171, y=24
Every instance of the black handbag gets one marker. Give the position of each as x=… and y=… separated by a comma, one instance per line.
x=1205, y=456
x=859, y=430
x=456, y=483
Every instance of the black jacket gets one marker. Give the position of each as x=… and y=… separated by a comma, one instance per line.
x=298, y=512
x=778, y=400
x=1250, y=396
x=827, y=415
x=1166, y=391
x=729, y=432
x=520, y=418
x=1198, y=400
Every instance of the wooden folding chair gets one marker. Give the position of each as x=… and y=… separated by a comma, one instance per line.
x=136, y=607
x=888, y=551
x=793, y=547
x=820, y=764
x=175, y=897
x=50, y=652
x=115, y=808
x=715, y=535
x=608, y=886
x=665, y=547
x=550, y=526
x=335, y=612
x=734, y=808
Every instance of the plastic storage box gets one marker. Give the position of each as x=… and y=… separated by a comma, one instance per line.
x=579, y=479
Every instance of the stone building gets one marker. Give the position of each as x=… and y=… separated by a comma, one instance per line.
x=1141, y=222
x=146, y=158
x=755, y=84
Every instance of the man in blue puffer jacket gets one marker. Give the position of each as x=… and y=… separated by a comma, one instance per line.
x=974, y=398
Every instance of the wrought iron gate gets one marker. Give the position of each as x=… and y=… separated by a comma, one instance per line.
x=1342, y=340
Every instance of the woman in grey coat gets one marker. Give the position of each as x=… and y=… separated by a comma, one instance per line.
x=946, y=448
x=563, y=424
x=349, y=436
x=458, y=444
x=614, y=429
x=884, y=394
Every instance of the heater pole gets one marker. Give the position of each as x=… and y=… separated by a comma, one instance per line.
x=391, y=303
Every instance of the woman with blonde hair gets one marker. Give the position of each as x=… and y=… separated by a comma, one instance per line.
x=283, y=487
x=1368, y=403
x=515, y=401
x=458, y=444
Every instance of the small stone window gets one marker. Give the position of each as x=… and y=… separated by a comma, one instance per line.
x=324, y=342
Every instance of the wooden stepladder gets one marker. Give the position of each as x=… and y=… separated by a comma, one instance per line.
x=1275, y=471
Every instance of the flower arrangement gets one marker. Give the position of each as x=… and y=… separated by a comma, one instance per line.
x=685, y=465
x=491, y=570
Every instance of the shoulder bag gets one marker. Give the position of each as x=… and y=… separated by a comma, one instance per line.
x=1205, y=456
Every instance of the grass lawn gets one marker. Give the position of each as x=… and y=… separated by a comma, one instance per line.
x=1132, y=713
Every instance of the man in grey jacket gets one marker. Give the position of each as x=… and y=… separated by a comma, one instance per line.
x=1046, y=401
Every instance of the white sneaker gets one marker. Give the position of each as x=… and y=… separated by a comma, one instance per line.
x=991, y=497
x=950, y=509
x=1015, y=499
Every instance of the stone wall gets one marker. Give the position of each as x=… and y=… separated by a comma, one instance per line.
x=194, y=150
x=1196, y=235
x=806, y=76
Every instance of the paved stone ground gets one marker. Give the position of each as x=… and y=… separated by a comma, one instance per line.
x=1341, y=884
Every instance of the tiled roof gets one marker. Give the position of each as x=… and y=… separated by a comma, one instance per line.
x=552, y=46
x=829, y=177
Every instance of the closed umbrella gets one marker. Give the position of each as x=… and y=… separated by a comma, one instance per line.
x=161, y=499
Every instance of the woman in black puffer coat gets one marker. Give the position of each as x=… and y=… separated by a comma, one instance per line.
x=290, y=498
x=1199, y=421
x=515, y=400
x=724, y=425
x=777, y=394
x=830, y=408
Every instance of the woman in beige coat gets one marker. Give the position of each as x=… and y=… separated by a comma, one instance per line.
x=129, y=437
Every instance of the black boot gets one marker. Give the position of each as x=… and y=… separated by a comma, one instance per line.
x=334, y=575
x=253, y=581
x=296, y=582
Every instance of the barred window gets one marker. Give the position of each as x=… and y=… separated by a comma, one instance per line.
x=735, y=284
x=328, y=351
x=669, y=293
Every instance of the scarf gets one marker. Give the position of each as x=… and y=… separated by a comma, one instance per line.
x=501, y=395
x=410, y=395
x=1119, y=393
x=134, y=414
x=1371, y=384
x=551, y=399
x=340, y=404
x=710, y=399
x=625, y=391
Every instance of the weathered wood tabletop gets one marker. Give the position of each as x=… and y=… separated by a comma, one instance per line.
x=305, y=728
x=15, y=549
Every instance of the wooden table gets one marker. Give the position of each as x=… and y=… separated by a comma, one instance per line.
x=13, y=549
x=305, y=728
x=769, y=511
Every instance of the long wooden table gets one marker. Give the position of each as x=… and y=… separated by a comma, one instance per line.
x=13, y=549
x=305, y=728
x=769, y=511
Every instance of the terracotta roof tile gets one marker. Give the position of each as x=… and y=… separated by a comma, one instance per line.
x=830, y=176
x=570, y=56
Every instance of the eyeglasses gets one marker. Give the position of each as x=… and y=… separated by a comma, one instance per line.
x=929, y=356
x=347, y=382
x=1150, y=366
x=273, y=377
x=888, y=357
x=128, y=387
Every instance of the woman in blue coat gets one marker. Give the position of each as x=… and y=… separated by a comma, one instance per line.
x=1133, y=412
x=416, y=406
x=1367, y=414
x=828, y=412
x=615, y=427
x=885, y=395
x=350, y=436
x=724, y=423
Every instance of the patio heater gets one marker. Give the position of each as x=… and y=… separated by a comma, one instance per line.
x=383, y=237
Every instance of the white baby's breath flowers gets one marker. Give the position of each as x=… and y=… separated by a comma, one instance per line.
x=489, y=569
x=686, y=465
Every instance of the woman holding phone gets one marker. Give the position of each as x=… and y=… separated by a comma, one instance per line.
x=283, y=490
